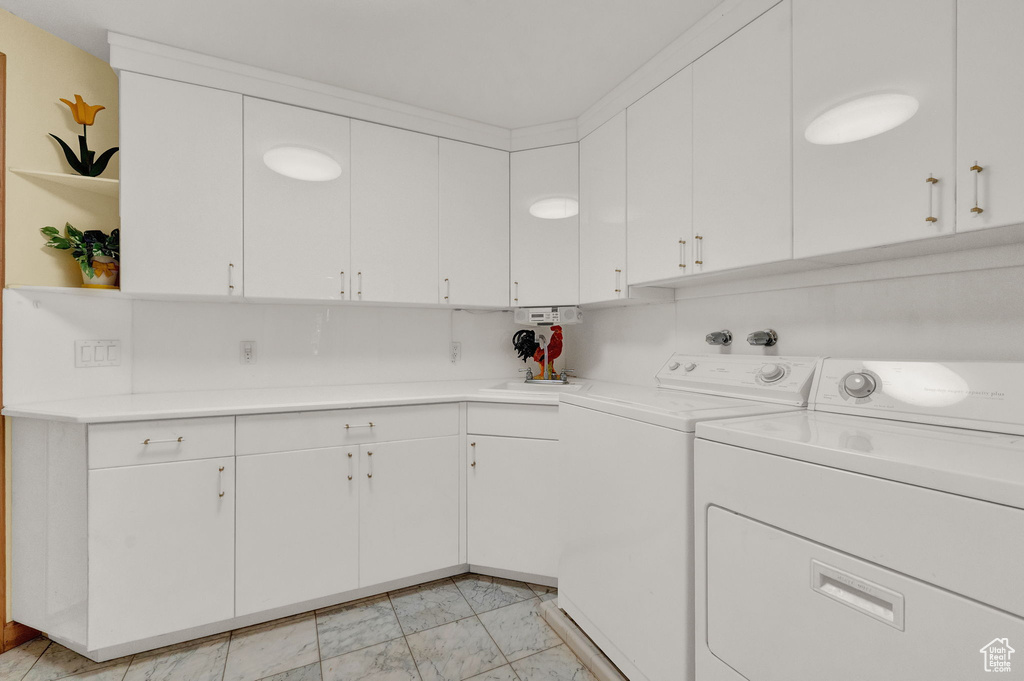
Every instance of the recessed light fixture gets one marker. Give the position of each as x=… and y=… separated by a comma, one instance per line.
x=861, y=118
x=555, y=208
x=302, y=163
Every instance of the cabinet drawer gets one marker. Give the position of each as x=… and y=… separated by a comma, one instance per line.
x=514, y=420
x=142, y=442
x=264, y=433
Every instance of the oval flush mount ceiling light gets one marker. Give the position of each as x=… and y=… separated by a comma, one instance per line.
x=301, y=163
x=555, y=209
x=861, y=118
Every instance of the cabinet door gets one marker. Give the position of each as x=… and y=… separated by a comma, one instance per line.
x=394, y=214
x=296, y=231
x=297, y=527
x=603, y=212
x=408, y=508
x=181, y=188
x=473, y=252
x=874, y=191
x=161, y=549
x=659, y=153
x=990, y=98
x=742, y=153
x=512, y=495
x=545, y=252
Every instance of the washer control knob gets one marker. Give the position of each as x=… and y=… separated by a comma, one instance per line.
x=859, y=384
x=770, y=373
x=690, y=367
x=672, y=366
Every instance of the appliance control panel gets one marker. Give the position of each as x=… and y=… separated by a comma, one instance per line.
x=786, y=380
x=983, y=395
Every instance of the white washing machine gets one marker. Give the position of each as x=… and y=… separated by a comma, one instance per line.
x=626, y=480
x=878, y=535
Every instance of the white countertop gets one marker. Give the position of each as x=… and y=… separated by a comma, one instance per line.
x=149, y=406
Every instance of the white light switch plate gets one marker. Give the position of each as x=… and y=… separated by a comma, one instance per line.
x=97, y=353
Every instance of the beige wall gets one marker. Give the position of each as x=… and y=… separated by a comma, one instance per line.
x=42, y=69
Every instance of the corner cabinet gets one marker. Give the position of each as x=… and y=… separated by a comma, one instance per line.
x=990, y=98
x=473, y=214
x=296, y=231
x=875, y=191
x=742, y=153
x=544, y=261
x=603, y=213
x=659, y=158
x=181, y=188
x=394, y=215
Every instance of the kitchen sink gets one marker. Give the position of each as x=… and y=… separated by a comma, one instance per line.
x=521, y=386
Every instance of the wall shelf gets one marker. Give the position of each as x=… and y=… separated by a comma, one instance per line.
x=70, y=291
x=96, y=185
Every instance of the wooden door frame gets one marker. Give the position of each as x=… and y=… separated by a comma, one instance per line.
x=13, y=634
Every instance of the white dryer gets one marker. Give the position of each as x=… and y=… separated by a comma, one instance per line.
x=626, y=483
x=878, y=535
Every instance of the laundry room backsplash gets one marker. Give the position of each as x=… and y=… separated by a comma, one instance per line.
x=195, y=346
x=972, y=311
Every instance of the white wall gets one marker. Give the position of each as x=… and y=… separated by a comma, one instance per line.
x=195, y=346
x=966, y=315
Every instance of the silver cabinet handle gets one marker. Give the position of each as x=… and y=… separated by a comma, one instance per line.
x=231, y=278
x=359, y=285
x=698, y=250
x=472, y=448
x=359, y=425
x=516, y=298
x=169, y=440
x=682, y=254
x=932, y=181
x=220, y=480
x=342, y=284
x=350, y=462
x=370, y=464
x=618, y=283
x=448, y=288
x=977, y=210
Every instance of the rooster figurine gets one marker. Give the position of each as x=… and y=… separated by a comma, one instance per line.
x=527, y=347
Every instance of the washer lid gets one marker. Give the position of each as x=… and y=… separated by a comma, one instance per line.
x=673, y=409
x=978, y=464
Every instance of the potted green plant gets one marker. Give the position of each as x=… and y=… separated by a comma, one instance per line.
x=97, y=253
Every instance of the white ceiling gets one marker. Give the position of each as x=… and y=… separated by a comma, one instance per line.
x=510, y=63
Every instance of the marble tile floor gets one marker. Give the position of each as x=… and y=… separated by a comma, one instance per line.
x=469, y=627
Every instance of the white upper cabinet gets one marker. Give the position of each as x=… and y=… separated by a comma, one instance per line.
x=394, y=215
x=473, y=256
x=742, y=153
x=603, y=212
x=181, y=188
x=296, y=230
x=990, y=99
x=874, y=191
x=544, y=259
x=659, y=152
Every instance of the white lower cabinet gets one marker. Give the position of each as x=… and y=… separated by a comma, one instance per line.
x=511, y=492
x=161, y=549
x=408, y=508
x=297, y=527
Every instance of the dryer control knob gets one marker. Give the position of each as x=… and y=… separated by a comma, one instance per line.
x=690, y=367
x=859, y=384
x=770, y=373
x=673, y=366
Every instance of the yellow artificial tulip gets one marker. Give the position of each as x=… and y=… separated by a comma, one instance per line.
x=83, y=113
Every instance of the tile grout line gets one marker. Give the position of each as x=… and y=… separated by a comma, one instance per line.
x=36, y=661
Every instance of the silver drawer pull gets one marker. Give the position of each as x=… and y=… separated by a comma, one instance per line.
x=148, y=441
x=363, y=425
